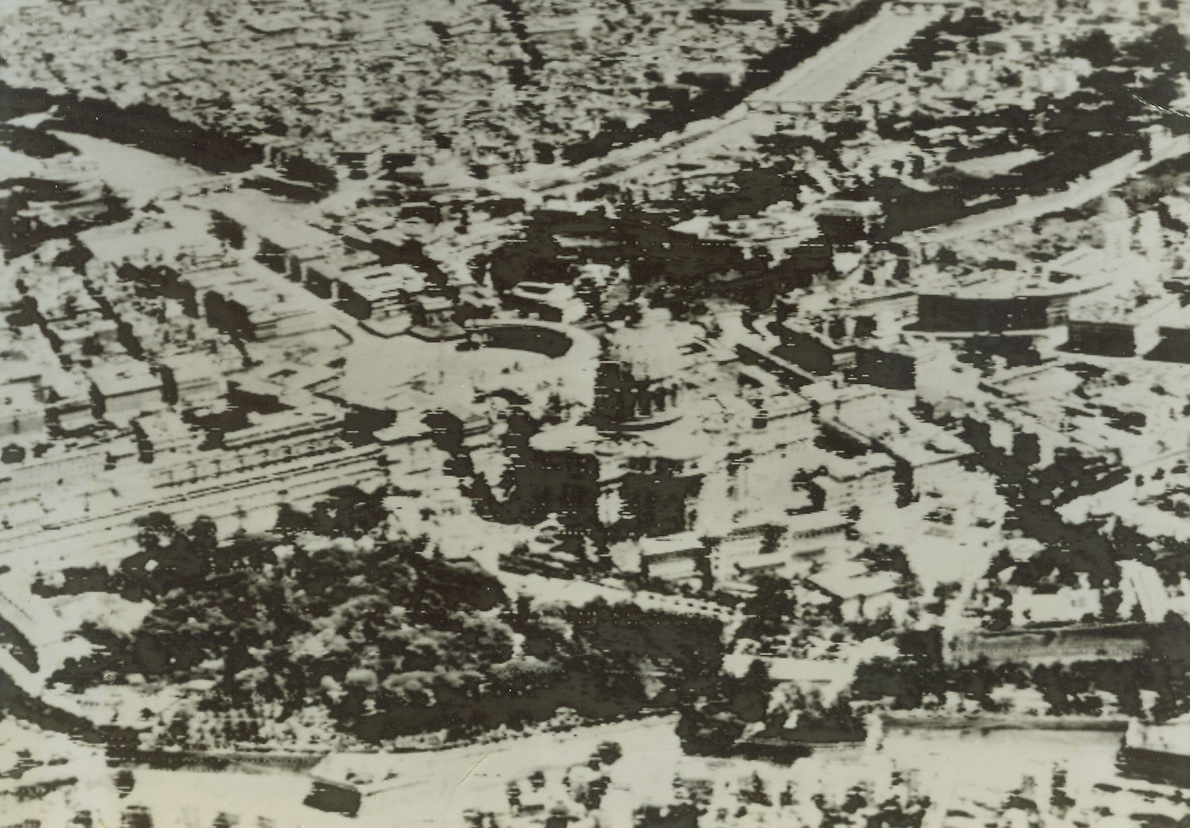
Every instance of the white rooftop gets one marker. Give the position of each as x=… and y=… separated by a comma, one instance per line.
x=853, y=580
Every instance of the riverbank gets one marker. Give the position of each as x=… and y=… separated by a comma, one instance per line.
x=155, y=130
x=437, y=789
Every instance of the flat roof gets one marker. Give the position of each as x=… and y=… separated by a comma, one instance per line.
x=18, y=396
x=853, y=580
x=121, y=379
x=669, y=544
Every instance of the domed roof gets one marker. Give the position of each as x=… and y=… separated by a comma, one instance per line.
x=652, y=348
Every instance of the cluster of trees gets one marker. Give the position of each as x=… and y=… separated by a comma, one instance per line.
x=1129, y=83
x=582, y=790
x=387, y=638
x=1164, y=49
x=713, y=722
x=742, y=717
x=771, y=610
x=859, y=806
x=781, y=625
x=921, y=678
x=1169, y=556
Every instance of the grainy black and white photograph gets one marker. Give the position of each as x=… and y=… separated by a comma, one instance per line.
x=594, y=414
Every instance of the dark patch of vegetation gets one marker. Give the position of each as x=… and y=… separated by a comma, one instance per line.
x=389, y=639
x=920, y=679
x=34, y=143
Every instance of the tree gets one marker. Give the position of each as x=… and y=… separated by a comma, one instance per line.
x=1096, y=47
x=350, y=512
x=750, y=699
x=770, y=610
x=755, y=792
x=1167, y=665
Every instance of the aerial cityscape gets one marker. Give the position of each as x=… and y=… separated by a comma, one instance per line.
x=617, y=414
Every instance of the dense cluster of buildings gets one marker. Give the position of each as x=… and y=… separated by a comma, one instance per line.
x=395, y=89
x=926, y=376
